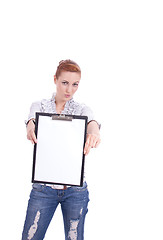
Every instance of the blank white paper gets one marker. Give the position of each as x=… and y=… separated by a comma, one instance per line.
x=59, y=150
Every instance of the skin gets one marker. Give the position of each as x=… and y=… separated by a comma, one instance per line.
x=66, y=86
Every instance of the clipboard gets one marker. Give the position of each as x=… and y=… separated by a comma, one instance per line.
x=58, y=156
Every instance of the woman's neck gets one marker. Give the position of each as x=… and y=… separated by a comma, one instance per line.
x=60, y=105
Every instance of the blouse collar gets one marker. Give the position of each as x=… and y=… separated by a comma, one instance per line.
x=68, y=105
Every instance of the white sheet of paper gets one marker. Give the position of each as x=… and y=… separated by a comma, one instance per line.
x=59, y=150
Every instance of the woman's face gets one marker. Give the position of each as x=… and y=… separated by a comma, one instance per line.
x=66, y=85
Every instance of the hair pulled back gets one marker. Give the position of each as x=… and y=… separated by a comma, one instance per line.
x=67, y=65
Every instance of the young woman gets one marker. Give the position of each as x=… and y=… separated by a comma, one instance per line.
x=45, y=198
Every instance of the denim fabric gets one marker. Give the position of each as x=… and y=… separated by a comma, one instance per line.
x=42, y=205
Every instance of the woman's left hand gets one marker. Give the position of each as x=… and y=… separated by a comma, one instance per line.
x=92, y=141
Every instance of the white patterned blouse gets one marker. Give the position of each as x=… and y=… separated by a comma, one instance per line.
x=71, y=108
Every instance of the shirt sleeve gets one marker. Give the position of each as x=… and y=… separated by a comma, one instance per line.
x=86, y=111
x=35, y=107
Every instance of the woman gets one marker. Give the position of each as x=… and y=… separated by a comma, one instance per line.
x=44, y=199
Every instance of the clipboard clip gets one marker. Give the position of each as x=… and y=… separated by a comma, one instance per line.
x=62, y=117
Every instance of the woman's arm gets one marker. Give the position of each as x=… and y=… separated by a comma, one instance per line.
x=92, y=141
x=31, y=131
x=93, y=136
x=35, y=107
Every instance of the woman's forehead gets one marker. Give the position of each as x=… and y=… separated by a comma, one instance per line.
x=69, y=76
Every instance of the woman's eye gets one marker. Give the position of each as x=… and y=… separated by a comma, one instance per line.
x=75, y=84
x=64, y=83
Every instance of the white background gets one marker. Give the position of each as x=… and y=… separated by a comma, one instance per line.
x=119, y=46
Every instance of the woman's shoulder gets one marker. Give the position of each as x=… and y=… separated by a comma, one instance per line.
x=79, y=108
x=47, y=105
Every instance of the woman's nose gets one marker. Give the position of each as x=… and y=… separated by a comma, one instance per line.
x=68, y=89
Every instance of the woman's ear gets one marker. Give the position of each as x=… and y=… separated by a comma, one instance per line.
x=55, y=79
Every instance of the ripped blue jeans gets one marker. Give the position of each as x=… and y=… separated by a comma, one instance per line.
x=42, y=205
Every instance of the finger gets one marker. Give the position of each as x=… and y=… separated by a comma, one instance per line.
x=88, y=150
x=93, y=141
x=97, y=143
x=86, y=144
x=33, y=137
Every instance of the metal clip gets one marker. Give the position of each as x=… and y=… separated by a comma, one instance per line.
x=62, y=117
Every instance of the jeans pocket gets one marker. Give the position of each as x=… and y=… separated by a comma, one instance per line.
x=38, y=187
x=81, y=189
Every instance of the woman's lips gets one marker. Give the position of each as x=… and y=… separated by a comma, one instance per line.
x=67, y=95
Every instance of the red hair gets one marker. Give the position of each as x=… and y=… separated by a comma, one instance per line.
x=67, y=65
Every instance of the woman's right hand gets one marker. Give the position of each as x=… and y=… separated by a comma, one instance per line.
x=31, y=132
